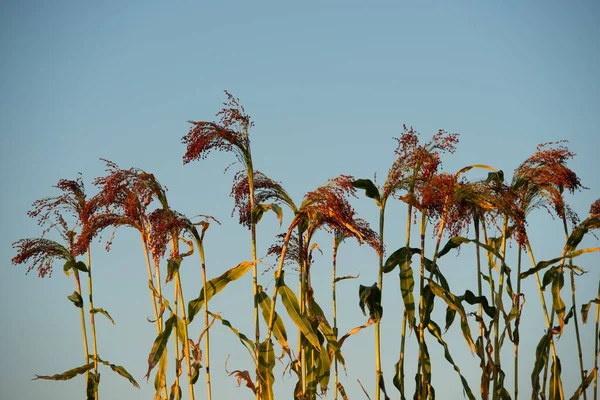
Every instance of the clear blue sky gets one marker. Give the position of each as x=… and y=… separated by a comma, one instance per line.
x=328, y=85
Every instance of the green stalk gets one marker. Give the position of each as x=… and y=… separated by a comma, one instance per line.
x=176, y=337
x=82, y=315
x=334, y=306
x=92, y=319
x=158, y=318
x=207, y=339
x=420, y=332
x=479, y=284
x=596, y=345
x=302, y=263
x=186, y=345
x=380, y=287
x=490, y=281
x=404, y=315
x=499, y=306
x=517, y=324
x=577, y=335
x=250, y=173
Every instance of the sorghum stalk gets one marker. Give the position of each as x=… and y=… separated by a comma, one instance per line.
x=82, y=315
x=499, y=307
x=596, y=345
x=404, y=314
x=207, y=338
x=334, y=306
x=380, y=287
x=420, y=331
x=578, y=337
x=92, y=319
x=516, y=346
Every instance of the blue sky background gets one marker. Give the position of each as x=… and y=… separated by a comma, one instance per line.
x=328, y=85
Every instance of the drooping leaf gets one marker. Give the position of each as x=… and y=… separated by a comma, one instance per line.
x=265, y=304
x=93, y=380
x=248, y=344
x=342, y=278
x=266, y=363
x=541, y=358
x=556, y=389
x=67, y=374
x=354, y=331
x=160, y=344
x=290, y=302
x=399, y=257
x=584, y=385
x=558, y=303
x=370, y=296
x=173, y=267
x=382, y=387
x=260, y=209
x=323, y=369
x=454, y=303
x=544, y=264
x=434, y=329
x=371, y=190
x=215, y=285
x=333, y=347
x=175, y=393
x=245, y=376
x=470, y=298
x=71, y=264
x=76, y=299
x=103, y=312
x=160, y=380
x=580, y=231
x=121, y=371
x=585, y=308
x=398, y=380
x=342, y=391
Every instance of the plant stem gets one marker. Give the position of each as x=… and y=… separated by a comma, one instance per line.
x=92, y=319
x=516, y=347
x=575, y=319
x=334, y=306
x=250, y=173
x=302, y=264
x=158, y=318
x=380, y=287
x=404, y=314
x=176, y=338
x=186, y=345
x=596, y=346
x=420, y=332
x=207, y=339
x=82, y=315
x=499, y=307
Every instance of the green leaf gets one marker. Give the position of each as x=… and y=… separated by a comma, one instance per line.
x=470, y=298
x=398, y=380
x=556, y=388
x=371, y=190
x=71, y=264
x=323, y=369
x=496, y=177
x=399, y=257
x=93, y=380
x=435, y=330
x=371, y=297
x=249, y=344
x=265, y=304
x=68, y=374
x=121, y=371
x=173, y=265
x=260, y=209
x=103, y=312
x=215, y=285
x=290, y=302
x=266, y=362
x=454, y=303
x=544, y=264
x=333, y=347
x=76, y=299
x=584, y=385
x=160, y=344
x=160, y=379
x=557, y=302
x=585, y=308
x=541, y=359
x=80, y=265
x=580, y=231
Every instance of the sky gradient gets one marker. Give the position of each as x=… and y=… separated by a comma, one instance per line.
x=328, y=84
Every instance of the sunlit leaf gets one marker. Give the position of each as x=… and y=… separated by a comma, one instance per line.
x=266, y=363
x=93, y=380
x=103, y=312
x=215, y=285
x=265, y=304
x=160, y=344
x=290, y=302
x=121, y=371
x=453, y=302
x=541, y=359
x=173, y=267
x=243, y=338
x=585, y=308
x=584, y=385
x=67, y=374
